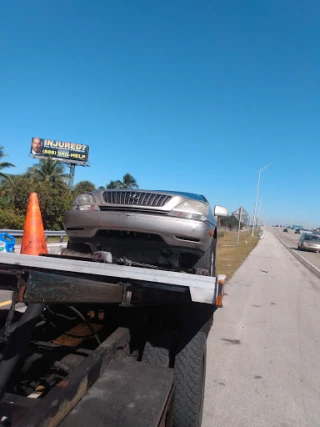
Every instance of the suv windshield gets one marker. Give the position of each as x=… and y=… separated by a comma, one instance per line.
x=312, y=237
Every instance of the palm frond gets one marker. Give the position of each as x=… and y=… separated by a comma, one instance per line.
x=5, y=176
x=6, y=165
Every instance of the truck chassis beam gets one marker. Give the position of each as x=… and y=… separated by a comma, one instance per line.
x=53, y=408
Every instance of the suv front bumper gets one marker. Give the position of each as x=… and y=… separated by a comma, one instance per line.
x=176, y=232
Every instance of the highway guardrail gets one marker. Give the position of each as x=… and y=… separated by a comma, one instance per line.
x=48, y=233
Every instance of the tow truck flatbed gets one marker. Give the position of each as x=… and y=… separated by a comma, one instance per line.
x=148, y=324
x=60, y=279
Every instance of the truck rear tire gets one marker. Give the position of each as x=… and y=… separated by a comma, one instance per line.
x=190, y=373
x=156, y=356
x=189, y=369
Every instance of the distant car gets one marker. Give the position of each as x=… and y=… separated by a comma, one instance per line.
x=285, y=230
x=309, y=242
x=297, y=231
x=168, y=229
x=277, y=225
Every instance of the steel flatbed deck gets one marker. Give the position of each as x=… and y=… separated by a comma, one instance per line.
x=72, y=280
x=106, y=389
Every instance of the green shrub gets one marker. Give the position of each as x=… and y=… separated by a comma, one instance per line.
x=11, y=219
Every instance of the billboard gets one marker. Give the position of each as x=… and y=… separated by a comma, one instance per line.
x=69, y=152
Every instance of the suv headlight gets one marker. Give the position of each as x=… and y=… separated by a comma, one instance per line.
x=85, y=202
x=191, y=209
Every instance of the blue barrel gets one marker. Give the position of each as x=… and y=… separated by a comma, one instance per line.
x=7, y=242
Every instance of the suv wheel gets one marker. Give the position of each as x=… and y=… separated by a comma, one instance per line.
x=79, y=247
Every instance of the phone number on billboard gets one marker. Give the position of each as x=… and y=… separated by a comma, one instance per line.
x=66, y=154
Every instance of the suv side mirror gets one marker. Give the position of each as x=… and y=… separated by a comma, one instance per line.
x=220, y=211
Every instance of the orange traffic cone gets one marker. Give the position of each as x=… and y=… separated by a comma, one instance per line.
x=33, y=239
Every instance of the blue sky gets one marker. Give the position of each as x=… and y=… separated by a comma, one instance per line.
x=184, y=95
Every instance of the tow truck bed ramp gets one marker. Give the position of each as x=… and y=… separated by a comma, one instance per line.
x=125, y=395
x=107, y=388
x=47, y=271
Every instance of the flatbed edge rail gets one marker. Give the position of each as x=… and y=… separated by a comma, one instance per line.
x=203, y=289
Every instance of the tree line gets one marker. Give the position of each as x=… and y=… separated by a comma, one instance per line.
x=49, y=179
x=230, y=222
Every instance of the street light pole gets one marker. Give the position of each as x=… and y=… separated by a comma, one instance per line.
x=257, y=195
x=258, y=217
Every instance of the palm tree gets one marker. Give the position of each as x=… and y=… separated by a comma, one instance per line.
x=115, y=184
x=4, y=165
x=49, y=170
x=84, y=187
x=128, y=181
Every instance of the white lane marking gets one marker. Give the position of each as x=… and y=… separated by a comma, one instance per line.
x=297, y=253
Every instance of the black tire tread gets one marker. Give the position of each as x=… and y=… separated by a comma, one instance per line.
x=155, y=356
x=190, y=377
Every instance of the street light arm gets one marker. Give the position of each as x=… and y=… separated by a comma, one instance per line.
x=265, y=167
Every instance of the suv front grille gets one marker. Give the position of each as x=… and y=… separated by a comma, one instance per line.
x=128, y=235
x=137, y=209
x=136, y=198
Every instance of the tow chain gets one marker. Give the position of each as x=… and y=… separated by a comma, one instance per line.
x=130, y=263
x=96, y=257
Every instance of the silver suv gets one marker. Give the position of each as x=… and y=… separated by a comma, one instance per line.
x=309, y=242
x=163, y=228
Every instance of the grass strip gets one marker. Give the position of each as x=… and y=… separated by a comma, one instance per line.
x=229, y=255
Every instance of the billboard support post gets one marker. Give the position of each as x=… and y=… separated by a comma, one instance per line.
x=72, y=171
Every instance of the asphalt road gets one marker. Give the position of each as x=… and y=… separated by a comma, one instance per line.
x=291, y=240
x=264, y=347
x=5, y=299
